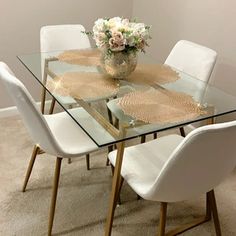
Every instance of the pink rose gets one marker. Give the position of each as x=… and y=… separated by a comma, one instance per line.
x=117, y=41
x=116, y=45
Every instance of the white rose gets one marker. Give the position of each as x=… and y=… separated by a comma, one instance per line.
x=125, y=22
x=139, y=26
x=100, y=39
x=141, y=31
x=130, y=40
x=115, y=22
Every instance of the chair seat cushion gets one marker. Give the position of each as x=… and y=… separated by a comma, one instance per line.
x=70, y=137
x=142, y=163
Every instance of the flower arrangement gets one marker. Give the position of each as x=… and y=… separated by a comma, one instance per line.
x=120, y=35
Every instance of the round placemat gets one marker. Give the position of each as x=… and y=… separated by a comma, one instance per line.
x=83, y=85
x=153, y=73
x=85, y=57
x=160, y=106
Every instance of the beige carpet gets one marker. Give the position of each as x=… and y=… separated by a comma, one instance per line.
x=83, y=196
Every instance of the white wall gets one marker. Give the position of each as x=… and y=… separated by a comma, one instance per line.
x=20, y=22
x=209, y=22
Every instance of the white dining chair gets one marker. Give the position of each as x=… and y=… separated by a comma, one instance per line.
x=173, y=168
x=193, y=59
x=56, y=38
x=55, y=134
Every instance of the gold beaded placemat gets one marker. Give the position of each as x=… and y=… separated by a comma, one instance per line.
x=153, y=73
x=160, y=106
x=86, y=57
x=83, y=85
x=144, y=73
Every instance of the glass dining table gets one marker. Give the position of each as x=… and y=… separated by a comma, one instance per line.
x=154, y=98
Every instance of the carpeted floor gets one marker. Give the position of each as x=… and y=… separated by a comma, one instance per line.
x=83, y=196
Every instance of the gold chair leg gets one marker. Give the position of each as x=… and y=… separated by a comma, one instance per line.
x=162, y=223
x=155, y=135
x=107, y=162
x=52, y=106
x=110, y=149
x=138, y=197
x=30, y=166
x=143, y=138
x=112, y=170
x=119, y=190
x=182, y=132
x=208, y=207
x=43, y=98
x=88, y=161
x=215, y=212
x=54, y=194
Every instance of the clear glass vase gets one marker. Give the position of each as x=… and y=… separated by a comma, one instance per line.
x=119, y=64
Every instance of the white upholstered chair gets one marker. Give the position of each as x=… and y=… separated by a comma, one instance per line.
x=173, y=168
x=193, y=59
x=55, y=38
x=55, y=134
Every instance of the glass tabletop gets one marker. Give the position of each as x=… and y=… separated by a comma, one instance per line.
x=152, y=98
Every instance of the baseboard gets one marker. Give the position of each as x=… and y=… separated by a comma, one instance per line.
x=12, y=111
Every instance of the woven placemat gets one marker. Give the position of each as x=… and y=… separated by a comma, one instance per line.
x=153, y=73
x=85, y=57
x=160, y=106
x=83, y=85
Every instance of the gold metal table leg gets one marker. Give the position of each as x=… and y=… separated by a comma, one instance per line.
x=115, y=188
x=43, y=98
x=43, y=94
x=215, y=213
x=52, y=106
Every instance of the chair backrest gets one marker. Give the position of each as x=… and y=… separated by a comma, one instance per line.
x=32, y=117
x=56, y=38
x=63, y=37
x=193, y=59
x=200, y=162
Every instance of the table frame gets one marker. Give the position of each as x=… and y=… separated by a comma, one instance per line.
x=115, y=132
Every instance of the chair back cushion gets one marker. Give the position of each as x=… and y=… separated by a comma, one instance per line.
x=193, y=59
x=32, y=117
x=203, y=159
x=56, y=38
x=63, y=37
